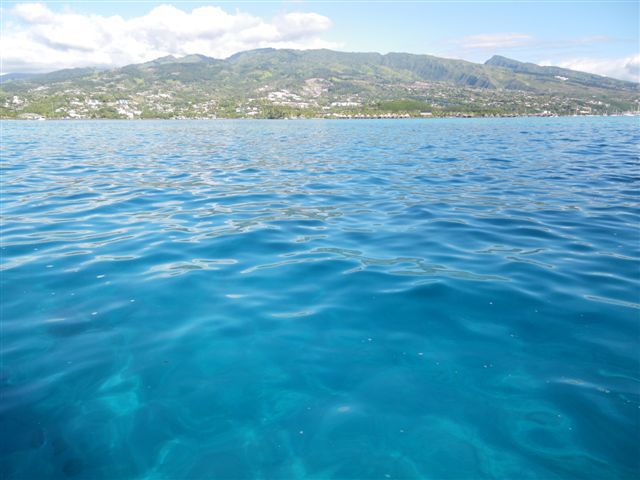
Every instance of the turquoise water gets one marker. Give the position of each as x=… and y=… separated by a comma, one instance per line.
x=321, y=299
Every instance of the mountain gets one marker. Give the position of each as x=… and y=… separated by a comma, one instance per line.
x=16, y=76
x=564, y=74
x=315, y=83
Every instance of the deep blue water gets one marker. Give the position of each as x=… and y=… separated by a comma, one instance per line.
x=321, y=299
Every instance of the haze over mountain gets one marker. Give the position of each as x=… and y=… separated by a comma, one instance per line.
x=279, y=83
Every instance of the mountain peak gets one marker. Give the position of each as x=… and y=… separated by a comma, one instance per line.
x=161, y=60
x=193, y=58
x=500, y=61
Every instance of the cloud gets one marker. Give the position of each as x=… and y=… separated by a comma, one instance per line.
x=298, y=25
x=495, y=40
x=36, y=38
x=626, y=68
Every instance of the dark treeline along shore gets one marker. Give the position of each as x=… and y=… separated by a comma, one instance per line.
x=269, y=83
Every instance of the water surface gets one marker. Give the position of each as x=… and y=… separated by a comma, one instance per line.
x=320, y=299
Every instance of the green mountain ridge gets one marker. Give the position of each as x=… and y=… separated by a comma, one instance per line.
x=581, y=78
x=276, y=83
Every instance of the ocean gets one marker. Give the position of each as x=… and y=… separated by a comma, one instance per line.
x=385, y=299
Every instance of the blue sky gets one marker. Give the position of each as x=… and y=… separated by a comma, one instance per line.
x=602, y=37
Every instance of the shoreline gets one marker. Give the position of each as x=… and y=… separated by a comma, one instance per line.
x=354, y=117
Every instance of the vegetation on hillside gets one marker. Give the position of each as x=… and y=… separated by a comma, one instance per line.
x=270, y=83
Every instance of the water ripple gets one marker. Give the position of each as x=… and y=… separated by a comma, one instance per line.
x=246, y=299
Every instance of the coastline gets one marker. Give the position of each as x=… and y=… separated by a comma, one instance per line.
x=337, y=117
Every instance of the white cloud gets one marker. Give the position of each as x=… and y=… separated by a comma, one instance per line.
x=495, y=40
x=38, y=39
x=299, y=25
x=627, y=68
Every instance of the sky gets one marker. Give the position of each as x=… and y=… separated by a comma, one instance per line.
x=601, y=37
